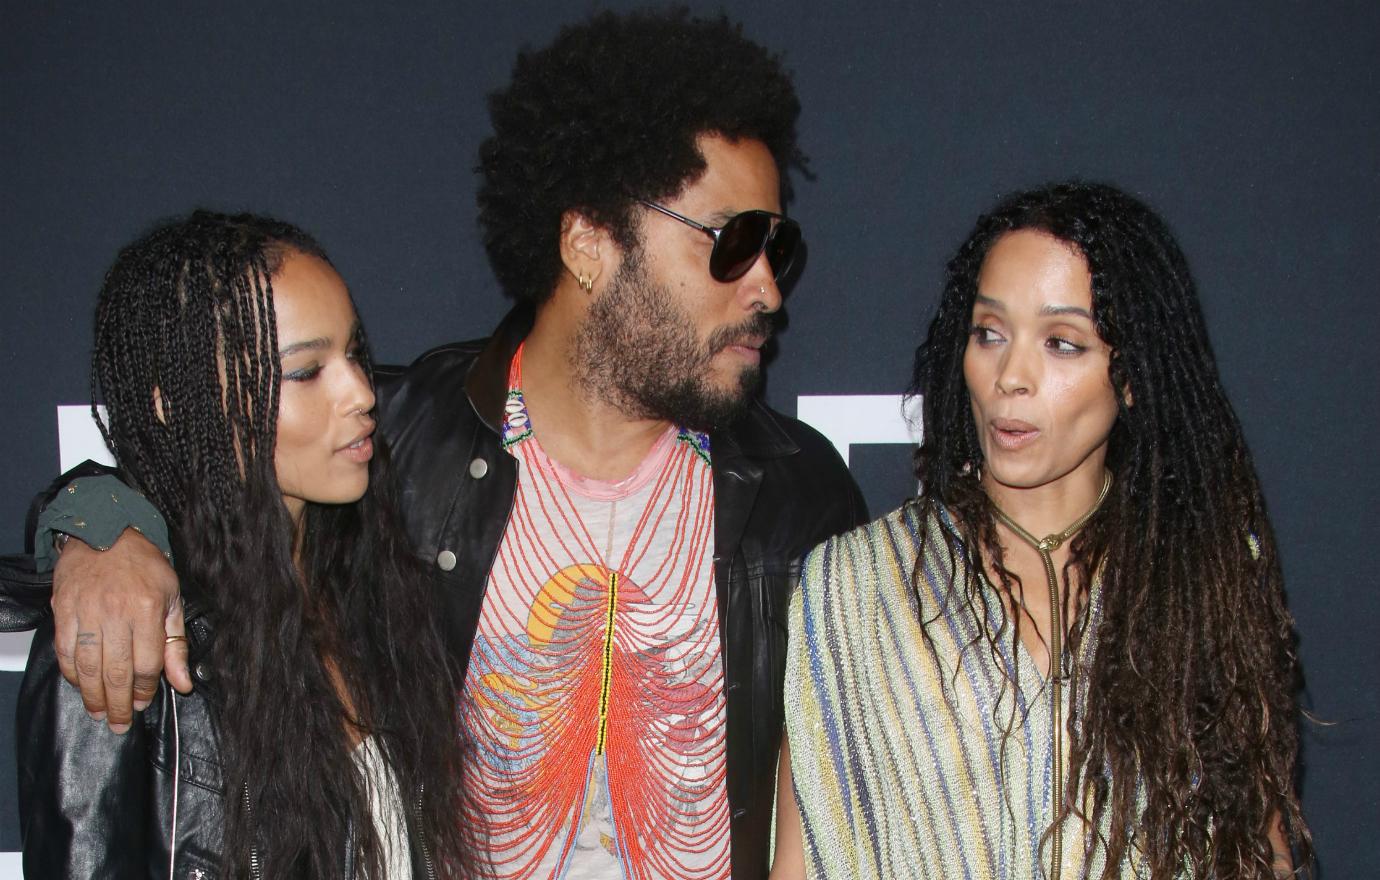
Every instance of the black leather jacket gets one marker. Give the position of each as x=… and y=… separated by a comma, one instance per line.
x=93, y=804
x=779, y=489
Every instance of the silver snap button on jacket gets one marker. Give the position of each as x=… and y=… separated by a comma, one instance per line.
x=445, y=560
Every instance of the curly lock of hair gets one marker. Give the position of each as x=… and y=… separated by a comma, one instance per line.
x=1188, y=741
x=609, y=113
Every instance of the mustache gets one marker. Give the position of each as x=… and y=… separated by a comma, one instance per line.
x=760, y=326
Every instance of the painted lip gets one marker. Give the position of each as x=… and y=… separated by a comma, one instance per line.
x=1013, y=434
x=360, y=449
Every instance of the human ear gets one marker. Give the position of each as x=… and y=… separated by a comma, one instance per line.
x=1121, y=382
x=583, y=248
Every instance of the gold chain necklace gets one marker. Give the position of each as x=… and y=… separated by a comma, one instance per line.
x=1046, y=546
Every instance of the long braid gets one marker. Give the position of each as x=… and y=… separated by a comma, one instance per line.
x=1191, y=686
x=186, y=362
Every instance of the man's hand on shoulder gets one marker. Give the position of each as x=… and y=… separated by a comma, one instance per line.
x=118, y=623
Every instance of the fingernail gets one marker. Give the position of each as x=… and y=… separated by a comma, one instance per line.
x=99, y=716
x=140, y=705
x=120, y=729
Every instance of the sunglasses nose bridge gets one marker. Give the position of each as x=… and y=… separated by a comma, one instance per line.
x=757, y=285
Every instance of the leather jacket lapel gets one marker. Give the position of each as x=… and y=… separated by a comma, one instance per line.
x=736, y=483
x=486, y=381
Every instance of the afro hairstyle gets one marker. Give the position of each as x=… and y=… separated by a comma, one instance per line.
x=609, y=113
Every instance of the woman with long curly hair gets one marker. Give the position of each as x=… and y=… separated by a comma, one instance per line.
x=1070, y=655
x=321, y=739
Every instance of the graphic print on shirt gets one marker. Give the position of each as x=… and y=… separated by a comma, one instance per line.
x=594, y=695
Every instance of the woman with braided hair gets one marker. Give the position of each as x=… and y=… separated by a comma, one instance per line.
x=1070, y=656
x=321, y=738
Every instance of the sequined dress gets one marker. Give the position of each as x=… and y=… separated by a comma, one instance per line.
x=894, y=777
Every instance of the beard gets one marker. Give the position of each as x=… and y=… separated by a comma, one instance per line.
x=638, y=350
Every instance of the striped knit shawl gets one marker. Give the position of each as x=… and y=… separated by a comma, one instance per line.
x=916, y=758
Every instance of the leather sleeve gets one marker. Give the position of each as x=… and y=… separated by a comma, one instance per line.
x=856, y=504
x=83, y=791
x=24, y=594
x=841, y=504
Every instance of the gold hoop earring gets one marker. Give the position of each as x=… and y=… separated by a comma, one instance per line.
x=586, y=283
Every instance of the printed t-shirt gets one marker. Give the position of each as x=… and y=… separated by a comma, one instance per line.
x=594, y=695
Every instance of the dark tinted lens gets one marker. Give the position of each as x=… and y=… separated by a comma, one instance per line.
x=781, y=247
x=740, y=241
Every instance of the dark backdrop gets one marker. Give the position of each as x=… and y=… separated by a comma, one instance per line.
x=1252, y=125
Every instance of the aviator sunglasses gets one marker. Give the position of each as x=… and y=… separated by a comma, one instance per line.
x=740, y=241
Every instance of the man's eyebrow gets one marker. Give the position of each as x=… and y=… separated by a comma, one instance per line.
x=317, y=344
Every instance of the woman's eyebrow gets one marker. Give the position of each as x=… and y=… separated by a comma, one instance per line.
x=1047, y=309
x=317, y=344
x=1051, y=309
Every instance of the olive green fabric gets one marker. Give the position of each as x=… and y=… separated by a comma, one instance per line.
x=96, y=511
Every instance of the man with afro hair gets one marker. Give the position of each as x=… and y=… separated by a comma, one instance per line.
x=616, y=520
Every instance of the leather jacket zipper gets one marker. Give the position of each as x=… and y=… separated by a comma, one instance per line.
x=255, y=869
x=421, y=835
